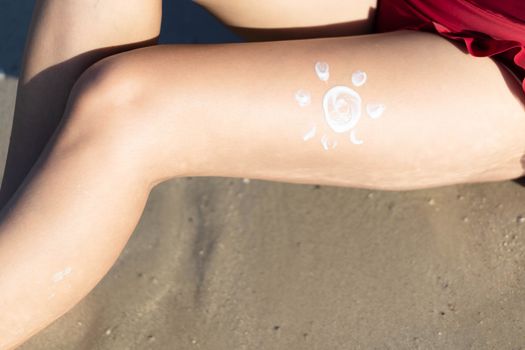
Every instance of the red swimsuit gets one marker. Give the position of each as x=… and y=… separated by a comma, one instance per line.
x=494, y=28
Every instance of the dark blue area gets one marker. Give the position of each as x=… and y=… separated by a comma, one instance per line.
x=183, y=22
x=15, y=16
x=186, y=22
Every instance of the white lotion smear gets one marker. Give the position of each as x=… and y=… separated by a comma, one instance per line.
x=354, y=138
x=59, y=276
x=323, y=70
x=375, y=110
x=325, y=142
x=359, y=78
x=310, y=133
x=342, y=108
x=303, y=98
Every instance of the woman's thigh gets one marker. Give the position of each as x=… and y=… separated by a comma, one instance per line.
x=272, y=20
x=302, y=111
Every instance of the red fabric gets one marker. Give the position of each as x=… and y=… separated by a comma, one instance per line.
x=488, y=28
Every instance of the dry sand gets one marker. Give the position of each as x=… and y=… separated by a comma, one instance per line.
x=222, y=264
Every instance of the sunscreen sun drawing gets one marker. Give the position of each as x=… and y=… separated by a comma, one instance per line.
x=342, y=107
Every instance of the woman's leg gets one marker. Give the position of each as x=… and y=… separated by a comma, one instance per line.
x=294, y=19
x=234, y=110
x=65, y=38
x=141, y=117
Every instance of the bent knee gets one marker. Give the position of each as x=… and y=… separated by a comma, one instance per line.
x=107, y=105
x=109, y=94
x=105, y=86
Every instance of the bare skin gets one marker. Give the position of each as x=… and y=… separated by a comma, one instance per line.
x=63, y=41
x=294, y=19
x=141, y=117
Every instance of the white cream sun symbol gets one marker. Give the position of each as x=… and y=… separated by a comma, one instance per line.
x=342, y=107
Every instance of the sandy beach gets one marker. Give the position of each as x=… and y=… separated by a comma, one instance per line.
x=224, y=264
